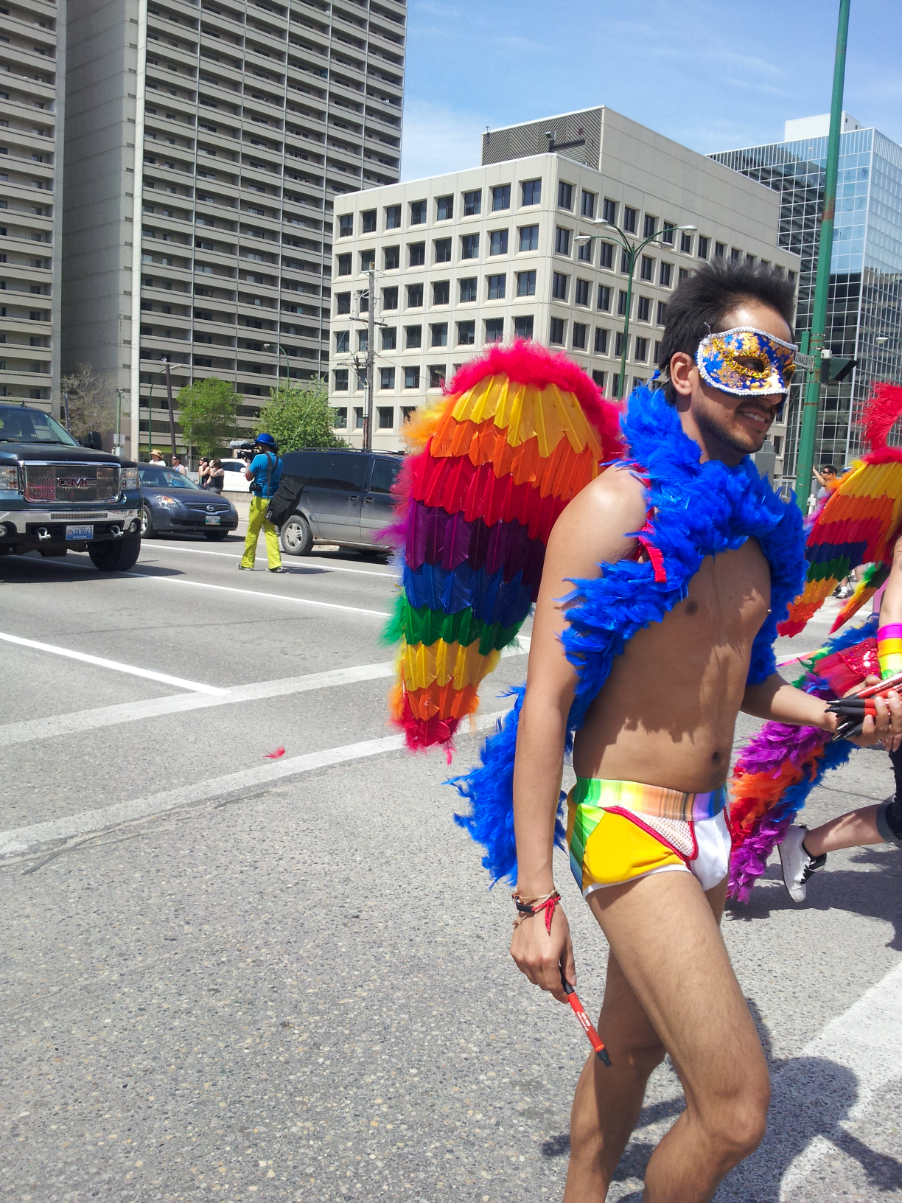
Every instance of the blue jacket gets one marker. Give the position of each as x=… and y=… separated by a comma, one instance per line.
x=260, y=467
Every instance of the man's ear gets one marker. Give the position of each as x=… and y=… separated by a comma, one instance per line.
x=682, y=365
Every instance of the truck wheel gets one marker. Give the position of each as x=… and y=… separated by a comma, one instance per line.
x=118, y=555
x=296, y=536
x=147, y=530
x=216, y=536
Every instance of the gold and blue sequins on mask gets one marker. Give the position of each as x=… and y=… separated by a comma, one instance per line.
x=746, y=360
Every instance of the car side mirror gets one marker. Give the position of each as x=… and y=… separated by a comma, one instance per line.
x=92, y=441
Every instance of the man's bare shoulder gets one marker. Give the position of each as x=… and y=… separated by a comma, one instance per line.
x=598, y=520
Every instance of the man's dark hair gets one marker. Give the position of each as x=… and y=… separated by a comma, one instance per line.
x=702, y=302
x=828, y=468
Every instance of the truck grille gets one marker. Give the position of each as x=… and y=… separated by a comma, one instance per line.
x=71, y=482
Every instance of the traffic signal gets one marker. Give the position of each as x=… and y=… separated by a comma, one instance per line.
x=836, y=368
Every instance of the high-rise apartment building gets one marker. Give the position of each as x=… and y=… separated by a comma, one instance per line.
x=494, y=253
x=864, y=316
x=32, y=75
x=206, y=146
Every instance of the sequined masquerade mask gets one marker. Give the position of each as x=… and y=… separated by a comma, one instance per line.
x=746, y=360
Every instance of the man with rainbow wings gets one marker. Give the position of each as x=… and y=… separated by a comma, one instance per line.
x=657, y=602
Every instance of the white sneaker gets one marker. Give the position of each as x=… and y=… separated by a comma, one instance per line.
x=797, y=863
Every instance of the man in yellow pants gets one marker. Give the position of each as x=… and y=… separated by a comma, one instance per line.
x=264, y=472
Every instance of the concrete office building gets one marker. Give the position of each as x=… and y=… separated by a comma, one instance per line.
x=32, y=86
x=206, y=145
x=864, y=316
x=491, y=254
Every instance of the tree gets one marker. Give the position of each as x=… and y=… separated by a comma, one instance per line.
x=92, y=401
x=208, y=411
x=299, y=415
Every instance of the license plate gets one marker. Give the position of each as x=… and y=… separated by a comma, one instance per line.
x=213, y=519
x=79, y=532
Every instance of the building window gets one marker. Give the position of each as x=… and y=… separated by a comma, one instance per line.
x=720, y=250
x=389, y=338
x=497, y=287
x=367, y=260
x=494, y=329
x=703, y=245
x=657, y=352
x=501, y=197
x=438, y=336
x=558, y=331
x=669, y=233
x=615, y=384
x=473, y=202
x=641, y=349
x=559, y=286
x=683, y=275
x=444, y=208
x=531, y=192
x=685, y=243
x=340, y=418
x=413, y=337
x=624, y=263
x=469, y=246
x=414, y=296
x=362, y=340
x=647, y=268
x=411, y=377
x=618, y=343
x=581, y=292
x=562, y=241
x=417, y=213
x=735, y=254
x=587, y=204
x=441, y=292
x=529, y=238
x=579, y=336
x=606, y=255
x=342, y=341
x=343, y=265
x=416, y=254
x=358, y=418
x=662, y=313
x=666, y=275
x=346, y=225
x=342, y=302
x=468, y=290
x=406, y=411
x=643, y=309
x=604, y=298
x=601, y=340
x=630, y=218
x=392, y=217
x=391, y=258
x=649, y=225
x=791, y=277
x=390, y=298
x=436, y=375
x=523, y=326
x=386, y=377
x=368, y=221
x=609, y=211
x=385, y=414
x=599, y=379
x=442, y=248
x=526, y=284
x=564, y=195
x=621, y=303
x=750, y=260
x=498, y=242
x=341, y=380
x=466, y=334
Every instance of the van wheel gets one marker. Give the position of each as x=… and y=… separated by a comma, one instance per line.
x=296, y=536
x=117, y=555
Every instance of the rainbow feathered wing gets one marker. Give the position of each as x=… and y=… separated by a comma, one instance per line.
x=495, y=462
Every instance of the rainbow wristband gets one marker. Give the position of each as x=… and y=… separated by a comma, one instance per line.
x=889, y=649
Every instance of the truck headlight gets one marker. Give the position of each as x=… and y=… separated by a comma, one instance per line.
x=9, y=477
x=128, y=479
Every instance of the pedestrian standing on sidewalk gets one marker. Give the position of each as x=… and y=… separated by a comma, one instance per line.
x=203, y=471
x=215, y=476
x=178, y=466
x=264, y=472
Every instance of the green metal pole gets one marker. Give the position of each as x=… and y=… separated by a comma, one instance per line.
x=631, y=263
x=811, y=403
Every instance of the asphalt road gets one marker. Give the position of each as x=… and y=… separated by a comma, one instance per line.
x=228, y=977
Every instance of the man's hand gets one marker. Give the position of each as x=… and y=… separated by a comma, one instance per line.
x=541, y=955
x=886, y=727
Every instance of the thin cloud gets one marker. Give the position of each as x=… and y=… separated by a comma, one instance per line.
x=437, y=140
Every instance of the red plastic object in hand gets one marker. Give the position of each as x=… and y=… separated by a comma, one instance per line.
x=594, y=1039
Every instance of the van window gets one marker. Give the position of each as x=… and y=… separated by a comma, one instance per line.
x=337, y=470
x=385, y=472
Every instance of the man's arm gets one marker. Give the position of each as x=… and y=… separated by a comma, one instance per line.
x=592, y=529
x=774, y=699
x=248, y=474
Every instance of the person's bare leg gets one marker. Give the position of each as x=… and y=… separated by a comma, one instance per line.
x=851, y=830
x=665, y=936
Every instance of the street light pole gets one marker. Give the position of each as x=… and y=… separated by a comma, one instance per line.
x=279, y=348
x=812, y=401
x=157, y=376
x=171, y=411
x=370, y=360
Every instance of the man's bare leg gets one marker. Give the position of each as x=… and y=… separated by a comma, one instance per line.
x=852, y=830
x=680, y=992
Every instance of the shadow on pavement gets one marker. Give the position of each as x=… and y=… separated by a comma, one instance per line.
x=34, y=569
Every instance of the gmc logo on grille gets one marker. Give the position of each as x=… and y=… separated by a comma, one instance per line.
x=74, y=482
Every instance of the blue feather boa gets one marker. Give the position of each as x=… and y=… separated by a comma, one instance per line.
x=700, y=509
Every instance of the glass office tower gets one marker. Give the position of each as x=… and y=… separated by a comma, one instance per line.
x=864, y=316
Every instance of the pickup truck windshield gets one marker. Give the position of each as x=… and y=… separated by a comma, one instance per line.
x=164, y=478
x=20, y=425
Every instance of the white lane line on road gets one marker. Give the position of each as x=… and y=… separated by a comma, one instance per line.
x=302, y=601
x=312, y=562
x=164, y=678
x=23, y=838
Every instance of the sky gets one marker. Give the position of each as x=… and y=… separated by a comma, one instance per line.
x=711, y=74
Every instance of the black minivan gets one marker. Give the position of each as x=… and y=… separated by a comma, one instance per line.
x=341, y=497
